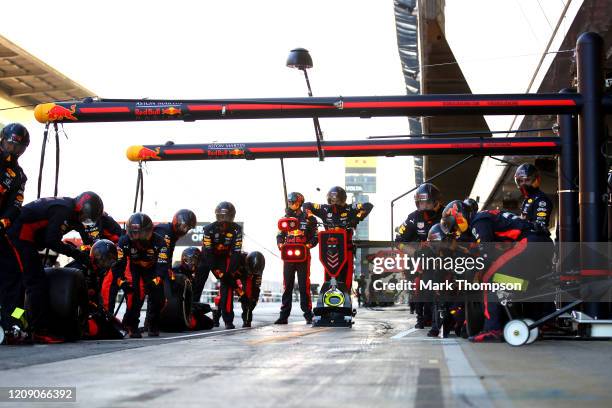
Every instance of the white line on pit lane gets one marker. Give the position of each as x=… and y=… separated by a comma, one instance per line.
x=466, y=386
x=404, y=333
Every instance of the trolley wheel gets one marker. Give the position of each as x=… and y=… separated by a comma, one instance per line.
x=516, y=332
x=533, y=333
x=1, y=335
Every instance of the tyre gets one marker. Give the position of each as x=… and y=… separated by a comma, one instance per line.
x=177, y=310
x=67, y=302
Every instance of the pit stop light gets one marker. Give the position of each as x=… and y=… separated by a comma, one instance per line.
x=293, y=253
x=288, y=224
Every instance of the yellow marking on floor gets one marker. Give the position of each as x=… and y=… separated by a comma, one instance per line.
x=289, y=336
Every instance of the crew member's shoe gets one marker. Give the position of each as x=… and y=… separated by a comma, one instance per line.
x=491, y=336
x=433, y=333
x=246, y=324
x=134, y=333
x=308, y=319
x=43, y=337
x=229, y=326
x=419, y=325
x=153, y=332
x=281, y=320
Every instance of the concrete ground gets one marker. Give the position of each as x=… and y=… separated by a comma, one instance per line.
x=381, y=362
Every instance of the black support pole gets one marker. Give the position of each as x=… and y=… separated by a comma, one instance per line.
x=592, y=174
x=567, y=169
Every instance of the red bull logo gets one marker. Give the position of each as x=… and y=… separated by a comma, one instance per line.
x=237, y=152
x=51, y=112
x=332, y=241
x=148, y=154
x=171, y=111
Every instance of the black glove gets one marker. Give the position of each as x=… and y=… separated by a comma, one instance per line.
x=81, y=256
x=2, y=229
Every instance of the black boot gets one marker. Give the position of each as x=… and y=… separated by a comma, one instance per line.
x=281, y=320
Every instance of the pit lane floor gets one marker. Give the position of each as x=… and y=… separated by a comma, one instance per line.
x=380, y=362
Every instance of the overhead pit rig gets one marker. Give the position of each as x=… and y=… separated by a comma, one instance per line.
x=578, y=146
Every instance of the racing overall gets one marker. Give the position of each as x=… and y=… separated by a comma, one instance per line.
x=251, y=284
x=341, y=217
x=415, y=229
x=105, y=228
x=537, y=208
x=497, y=226
x=221, y=251
x=306, y=234
x=147, y=265
x=41, y=225
x=12, y=186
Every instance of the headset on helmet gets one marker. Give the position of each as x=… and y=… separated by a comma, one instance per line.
x=225, y=212
x=527, y=178
x=103, y=254
x=139, y=227
x=191, y=257
x=183, y=221
x=89, y=207
x=14, y=139
x=455, y=218
x=427, y=197
x=336, y=196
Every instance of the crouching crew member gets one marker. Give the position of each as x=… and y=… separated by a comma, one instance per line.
x=41, y=225
x=148, y=262
x=496, y=226
x=101, y=324
x=305, y=234
x=221, y=248
x=250, y=277
x=105, y=228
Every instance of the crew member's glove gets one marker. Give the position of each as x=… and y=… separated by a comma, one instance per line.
x=81, y=257
x=156, y=281
x=124, y=285
x=218, y=274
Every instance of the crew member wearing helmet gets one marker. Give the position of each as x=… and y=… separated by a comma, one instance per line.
x=305, y=234
x=41, y=225
x=337, y=214
x=439, y=244
x=182, y=221
x=536, y=206
x=250, y=279
x=105, y=228
x=101, y=324
x=14, y=139
x=190, y=258
x=221, y=248
x=415, y=229
x=497, y=226
x=428, y=212
x=148, y=256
